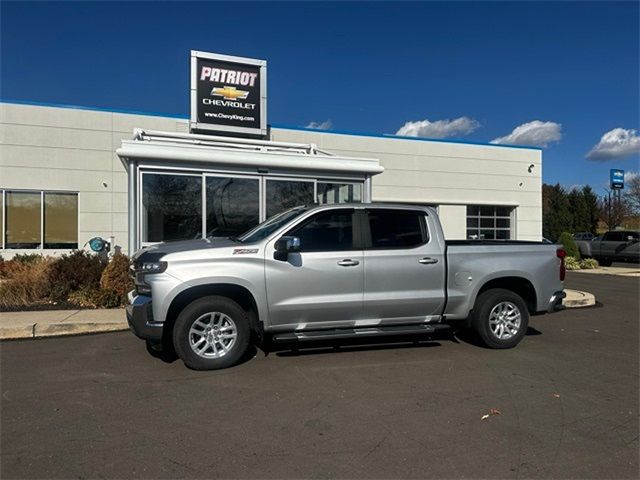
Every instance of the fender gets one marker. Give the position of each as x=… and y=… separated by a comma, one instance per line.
x=258, y=294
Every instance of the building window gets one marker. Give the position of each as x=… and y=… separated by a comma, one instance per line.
x=60, y=220
x=184, y=205
x=39, y=219
x=2, y=218
x=339, y=192
x=171, y=207
x=284, y=194
x=488, y=222
x=233, y=205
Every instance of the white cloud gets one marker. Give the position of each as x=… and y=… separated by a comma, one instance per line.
x=532, y=134
x=439, y=128
x=326, y=125
x=615, y=145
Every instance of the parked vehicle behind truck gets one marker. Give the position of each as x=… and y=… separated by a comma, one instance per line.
x=616, y=245
x=338, y=271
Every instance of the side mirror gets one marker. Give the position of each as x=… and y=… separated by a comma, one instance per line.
x=286, y=245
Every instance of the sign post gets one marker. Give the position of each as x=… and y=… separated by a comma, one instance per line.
x=228, y=95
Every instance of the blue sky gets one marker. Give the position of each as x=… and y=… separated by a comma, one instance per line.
x=366, y=67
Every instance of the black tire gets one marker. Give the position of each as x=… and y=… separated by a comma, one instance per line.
x=485, y=303
x=196, y=310
x=605, y=262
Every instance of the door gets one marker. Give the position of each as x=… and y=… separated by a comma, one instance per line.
x=404, y=267
x=322, y=284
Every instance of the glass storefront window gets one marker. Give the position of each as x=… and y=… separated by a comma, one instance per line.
x=60, y=220
x=284, y=194
x=233, y=205
x=171, y=207
x=339, y=192
x=23, y=220
x=172, y=203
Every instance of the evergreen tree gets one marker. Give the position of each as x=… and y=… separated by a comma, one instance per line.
x=591, y=202
x=556, y=211
x=578, y=211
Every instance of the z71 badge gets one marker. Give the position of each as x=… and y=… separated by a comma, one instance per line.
x=244, y=251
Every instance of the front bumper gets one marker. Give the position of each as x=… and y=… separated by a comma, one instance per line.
x=140, y=318
x=555, y=302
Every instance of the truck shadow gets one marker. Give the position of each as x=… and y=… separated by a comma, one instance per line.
x=468, y=336
x=320, y=347
x=167, y=354
x=292, y=349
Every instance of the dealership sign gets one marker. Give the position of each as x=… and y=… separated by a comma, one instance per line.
x=617, y=178
x=228, y=94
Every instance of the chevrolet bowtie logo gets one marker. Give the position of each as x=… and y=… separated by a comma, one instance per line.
x=229, y=93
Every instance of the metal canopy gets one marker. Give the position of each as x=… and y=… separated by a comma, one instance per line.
x=239, y=152
x=150, y=147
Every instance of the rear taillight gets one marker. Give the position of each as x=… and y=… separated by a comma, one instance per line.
x=560, y=253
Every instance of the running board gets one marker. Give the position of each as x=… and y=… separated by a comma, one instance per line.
x=338, y=333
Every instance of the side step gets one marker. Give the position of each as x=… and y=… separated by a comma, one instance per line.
x=338, y=333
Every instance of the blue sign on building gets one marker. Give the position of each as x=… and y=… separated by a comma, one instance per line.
x=617, y=178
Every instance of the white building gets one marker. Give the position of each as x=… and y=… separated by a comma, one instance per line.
x=64, y=179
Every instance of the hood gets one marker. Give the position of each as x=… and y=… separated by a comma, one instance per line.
x=154, y=253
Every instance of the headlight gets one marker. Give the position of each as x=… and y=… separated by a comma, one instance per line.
x=153, y=267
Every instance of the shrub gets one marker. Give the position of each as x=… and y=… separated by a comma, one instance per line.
x=589, y=264
x=73, y=272
x=571, y=263
x=91, y=297
x=27, y=284
x=569, y=245
x=115, y=281
x=84, y=297
x=8, y=266
x=27, y=258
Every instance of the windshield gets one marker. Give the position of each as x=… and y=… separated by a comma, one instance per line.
x=269, y=226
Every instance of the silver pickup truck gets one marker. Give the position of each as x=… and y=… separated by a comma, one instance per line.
x=616, y=245
x=337, y=271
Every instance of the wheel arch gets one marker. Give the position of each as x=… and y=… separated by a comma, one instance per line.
x=238, y=293
x=518, y=285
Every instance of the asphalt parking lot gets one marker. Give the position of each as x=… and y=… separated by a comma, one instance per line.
x=567, y=397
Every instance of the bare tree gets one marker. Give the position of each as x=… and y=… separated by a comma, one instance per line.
x=632, y=193
x=613, y=209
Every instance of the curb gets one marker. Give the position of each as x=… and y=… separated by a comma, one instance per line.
x=578, y=299
x=59, y=330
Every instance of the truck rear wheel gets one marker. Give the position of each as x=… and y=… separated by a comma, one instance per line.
x=211, y=333
x=500, y=318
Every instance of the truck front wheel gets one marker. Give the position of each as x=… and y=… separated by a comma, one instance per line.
x=500, y=318
x=211, y=333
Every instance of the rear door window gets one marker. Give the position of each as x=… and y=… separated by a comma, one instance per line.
x=397, y=228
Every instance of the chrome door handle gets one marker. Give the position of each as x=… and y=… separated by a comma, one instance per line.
x=347, y=262
x=428, y=261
